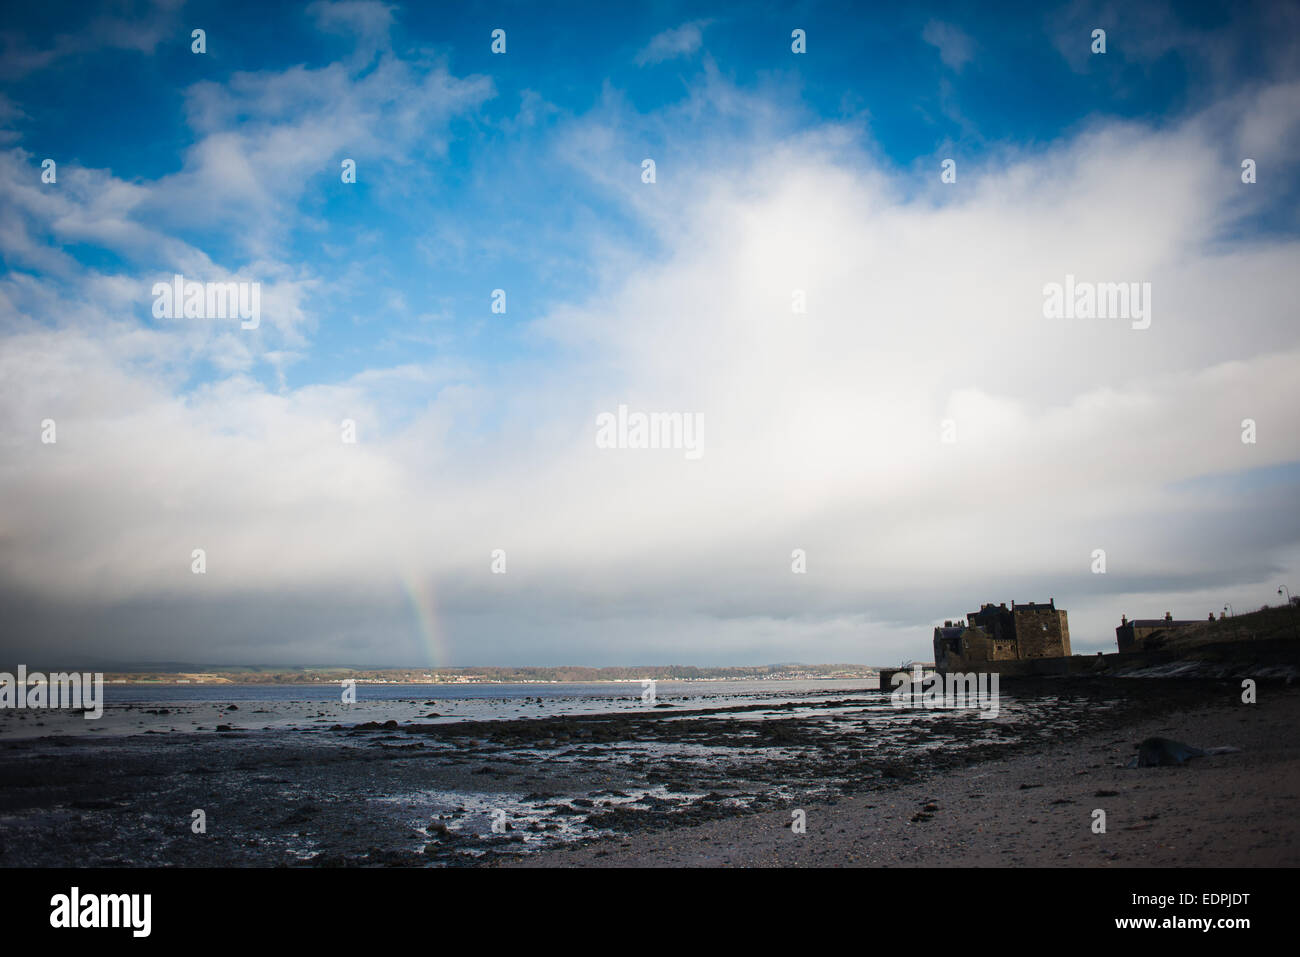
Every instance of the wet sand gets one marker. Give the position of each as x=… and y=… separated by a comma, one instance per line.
x=1035, y=810
x=674, y=786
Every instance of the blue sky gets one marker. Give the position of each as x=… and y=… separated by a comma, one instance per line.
x=775, y=171
x=488, y=177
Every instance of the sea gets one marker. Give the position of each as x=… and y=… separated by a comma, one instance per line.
x=143, y=708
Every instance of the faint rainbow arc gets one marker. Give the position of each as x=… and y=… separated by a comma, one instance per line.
x=423, y=603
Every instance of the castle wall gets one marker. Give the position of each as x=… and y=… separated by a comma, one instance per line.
x=1042, y=633
x=1125, y=639
x=1147, y=636
x=999, y=634
x=978, y=647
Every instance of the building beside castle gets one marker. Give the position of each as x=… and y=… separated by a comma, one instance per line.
x=999, y=633
x=1148, y=634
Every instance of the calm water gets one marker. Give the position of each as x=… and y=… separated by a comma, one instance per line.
x=137, y=709
x=599, y=690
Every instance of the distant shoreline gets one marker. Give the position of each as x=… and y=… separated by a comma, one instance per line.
x=171, y=681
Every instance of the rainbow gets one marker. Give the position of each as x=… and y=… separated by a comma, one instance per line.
x=424, y=605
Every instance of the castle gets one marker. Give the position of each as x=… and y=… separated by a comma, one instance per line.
x=998, y=633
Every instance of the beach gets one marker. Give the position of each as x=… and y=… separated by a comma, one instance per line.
x=669, y=785
x=1035, y=810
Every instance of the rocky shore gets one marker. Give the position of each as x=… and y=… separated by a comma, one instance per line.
x=1034, y=809
x=664, y=787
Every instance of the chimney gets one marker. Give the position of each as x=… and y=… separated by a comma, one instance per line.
x=947, y=624
x=1169, y=616
x=1220, y=616
x=1211, y=616
x=1123, y=619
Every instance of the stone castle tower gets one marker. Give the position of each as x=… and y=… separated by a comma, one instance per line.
x=998, y=633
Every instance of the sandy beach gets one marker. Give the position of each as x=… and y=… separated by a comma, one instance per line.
x=1240, y=809
x=673, y=785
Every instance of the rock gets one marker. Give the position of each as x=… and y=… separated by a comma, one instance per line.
x=1165, y=752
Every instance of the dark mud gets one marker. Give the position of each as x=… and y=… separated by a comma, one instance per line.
x=478, y=792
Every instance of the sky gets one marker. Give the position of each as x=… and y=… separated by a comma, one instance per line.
x=836, y=269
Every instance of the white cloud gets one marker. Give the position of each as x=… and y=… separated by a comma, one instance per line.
x=366, y=21
x=955, y=47
x=671, y=44
x=823, y=429
x=156, y=22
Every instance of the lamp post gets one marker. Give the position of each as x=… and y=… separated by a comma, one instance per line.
x=1232, y=613
x=1290, y=604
